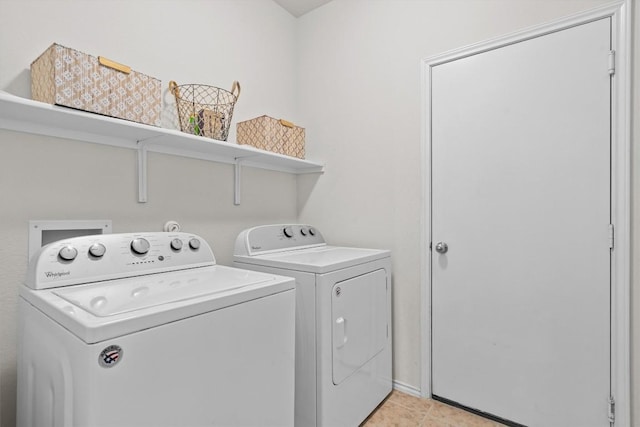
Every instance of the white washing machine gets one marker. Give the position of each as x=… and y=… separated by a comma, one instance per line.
x=343, y=320
x=146, y=330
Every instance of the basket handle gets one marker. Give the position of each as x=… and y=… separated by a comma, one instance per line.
x=173, y=88
x=235, y=86
x=286, y=123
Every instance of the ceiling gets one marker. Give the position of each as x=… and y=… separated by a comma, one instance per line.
x=299, y=7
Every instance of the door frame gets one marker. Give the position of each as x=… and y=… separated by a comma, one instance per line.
x=620, y=14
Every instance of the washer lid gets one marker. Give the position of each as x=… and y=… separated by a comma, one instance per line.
x=99, y=311
x=123, y=296
x=316, y=260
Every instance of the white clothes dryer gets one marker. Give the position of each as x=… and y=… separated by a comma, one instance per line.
x=144, y=329
x=343, y=320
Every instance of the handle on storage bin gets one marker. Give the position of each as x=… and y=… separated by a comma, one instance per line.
x=235, y=86
x=115, y=65
x=286, y=123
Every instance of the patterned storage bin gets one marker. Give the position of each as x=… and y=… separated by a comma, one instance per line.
x=276, y=135
x=70, y=78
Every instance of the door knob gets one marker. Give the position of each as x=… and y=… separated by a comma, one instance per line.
x=442, y=248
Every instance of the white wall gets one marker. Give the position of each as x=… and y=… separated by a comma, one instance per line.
x=348, y=71
x=359, y=92
x=211, y=42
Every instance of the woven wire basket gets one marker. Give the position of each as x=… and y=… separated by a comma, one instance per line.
x=205, y=110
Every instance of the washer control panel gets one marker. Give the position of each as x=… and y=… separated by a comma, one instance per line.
x=89, y=259
x=278, y=237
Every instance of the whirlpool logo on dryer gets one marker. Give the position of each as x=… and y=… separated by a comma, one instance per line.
x=56, y=274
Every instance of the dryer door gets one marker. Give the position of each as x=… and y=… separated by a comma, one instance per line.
x=359, y=317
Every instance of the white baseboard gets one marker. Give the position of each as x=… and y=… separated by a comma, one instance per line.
x=406, y=388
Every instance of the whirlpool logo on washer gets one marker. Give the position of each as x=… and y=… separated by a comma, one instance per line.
x=110, y=356
x=57, y=274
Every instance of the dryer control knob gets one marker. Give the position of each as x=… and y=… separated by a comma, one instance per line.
x=303, y=231
x=288, y=232
x=68, y=253
x=176, y=244
x=312, y=231
x=97, y=250
x=140, y=246
x=194, y=244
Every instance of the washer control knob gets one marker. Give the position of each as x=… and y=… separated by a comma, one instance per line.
x=303, y=231
x=288, y=232
x=312, y=231
x=176, y=244
x=194, y=244
x=68, y=253
x=97, y=250
x=140, y=246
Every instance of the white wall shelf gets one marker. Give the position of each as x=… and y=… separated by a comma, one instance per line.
x=26, y=115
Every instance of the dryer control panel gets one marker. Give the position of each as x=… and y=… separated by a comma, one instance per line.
x=277, y=237
x=94, y=258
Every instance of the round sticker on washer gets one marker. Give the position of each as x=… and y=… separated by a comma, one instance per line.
x=110, y=356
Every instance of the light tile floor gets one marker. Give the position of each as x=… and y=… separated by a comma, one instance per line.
x=404, y=410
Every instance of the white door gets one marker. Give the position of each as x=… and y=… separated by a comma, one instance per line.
x=521, y=196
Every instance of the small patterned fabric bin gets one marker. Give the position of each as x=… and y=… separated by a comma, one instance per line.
x=275, y=135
